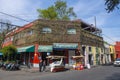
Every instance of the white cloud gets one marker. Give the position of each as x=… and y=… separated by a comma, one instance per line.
x=25, y=9
x=13, y=7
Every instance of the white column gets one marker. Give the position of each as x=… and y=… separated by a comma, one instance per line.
x=109, y=58
x=86, y=56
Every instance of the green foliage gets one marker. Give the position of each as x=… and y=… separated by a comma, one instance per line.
x=111, y=5
x=49, y=13
x=58, y=11
x=64, y=13
x=9, y=51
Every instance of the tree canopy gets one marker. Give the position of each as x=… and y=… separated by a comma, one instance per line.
x=58, y=11
x=48, y=13
x=111, y=5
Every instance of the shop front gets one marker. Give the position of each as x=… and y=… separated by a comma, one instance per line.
x=44, y=51
x=59, y=49
x=65, y=49
x=26, y=55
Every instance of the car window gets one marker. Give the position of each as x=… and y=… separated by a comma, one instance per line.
x=118, y=59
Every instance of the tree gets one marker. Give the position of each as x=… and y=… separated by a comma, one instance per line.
x=111, y=5
x=64, y=13
x=9, y=52
x=49, y=13
x=58, y=11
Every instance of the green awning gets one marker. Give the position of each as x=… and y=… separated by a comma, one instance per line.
x=65, y=45
x=26, y=49
x=45, y=48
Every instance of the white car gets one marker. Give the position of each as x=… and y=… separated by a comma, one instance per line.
x=117, y=62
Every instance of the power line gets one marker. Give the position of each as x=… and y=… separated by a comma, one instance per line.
x=8, y=24
x=14, y=17
x=108, y=37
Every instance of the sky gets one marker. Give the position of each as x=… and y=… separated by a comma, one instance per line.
x=86, y=10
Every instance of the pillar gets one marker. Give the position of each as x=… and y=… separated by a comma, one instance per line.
x=36, y=56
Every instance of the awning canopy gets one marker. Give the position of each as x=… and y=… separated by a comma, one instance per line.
x=65, y=45
x=26, y=49
x=1, y=54
x=45, y=48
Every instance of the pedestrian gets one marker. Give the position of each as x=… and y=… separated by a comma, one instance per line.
x=40, y=65
x=44, y=65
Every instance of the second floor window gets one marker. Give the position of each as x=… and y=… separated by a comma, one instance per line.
x=46, y=30
x=71, y=31
x=30, y=32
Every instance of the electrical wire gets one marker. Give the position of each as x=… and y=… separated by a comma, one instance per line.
x=14, y=16
x=8, y=24
x=109, y=38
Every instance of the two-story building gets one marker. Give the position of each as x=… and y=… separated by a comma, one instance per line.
x=40, y=38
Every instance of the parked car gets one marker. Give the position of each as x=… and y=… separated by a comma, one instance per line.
x=117, y=62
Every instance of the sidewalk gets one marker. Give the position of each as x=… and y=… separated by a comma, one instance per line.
x=34, y=69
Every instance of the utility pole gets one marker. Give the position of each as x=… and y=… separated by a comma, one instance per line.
x=95, y=21
x=95, y=25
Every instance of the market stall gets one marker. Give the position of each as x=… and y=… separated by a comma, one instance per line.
x=79, y=61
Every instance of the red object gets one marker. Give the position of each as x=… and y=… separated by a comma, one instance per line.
x=36, y=54
x=117, y=49
x=79, y=67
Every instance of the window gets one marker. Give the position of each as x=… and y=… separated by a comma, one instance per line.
x=71, y=31
x=90, y=49
x=30, y=32
x=46, y=30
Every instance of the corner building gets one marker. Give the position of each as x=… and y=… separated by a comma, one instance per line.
x=40, y=38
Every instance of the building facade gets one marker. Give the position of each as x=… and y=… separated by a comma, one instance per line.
x=117, y=49
x=40, y=38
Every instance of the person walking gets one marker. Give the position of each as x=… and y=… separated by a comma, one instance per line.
x=40, y=65
x=44, y=65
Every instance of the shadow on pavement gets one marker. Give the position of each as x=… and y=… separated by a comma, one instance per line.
x=115, y=76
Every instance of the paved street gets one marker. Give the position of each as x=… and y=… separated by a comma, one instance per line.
x=97, y=73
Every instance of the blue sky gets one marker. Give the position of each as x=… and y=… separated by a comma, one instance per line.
x=85, y=10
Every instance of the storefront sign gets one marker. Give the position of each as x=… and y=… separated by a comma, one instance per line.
x=45, y=48
x=65, y=45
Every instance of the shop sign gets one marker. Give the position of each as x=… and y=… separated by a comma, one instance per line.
x=45, y=48
x=65, y=45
